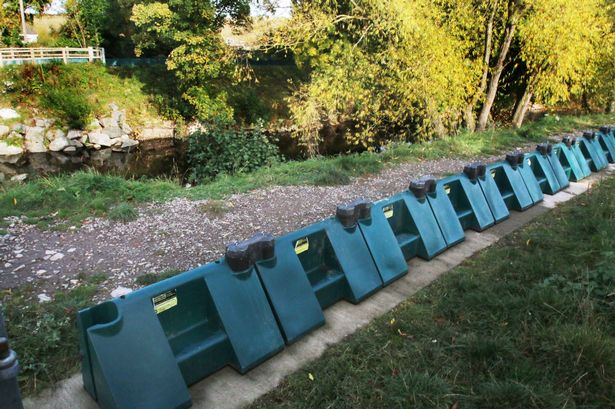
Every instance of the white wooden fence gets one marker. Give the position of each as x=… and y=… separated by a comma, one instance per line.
x=42, y=55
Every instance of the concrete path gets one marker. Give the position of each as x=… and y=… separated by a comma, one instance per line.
x=228, y=390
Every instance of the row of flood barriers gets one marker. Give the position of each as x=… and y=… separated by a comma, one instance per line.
x=142, y=350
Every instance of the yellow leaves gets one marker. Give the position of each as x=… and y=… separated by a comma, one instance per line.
x=310, y=376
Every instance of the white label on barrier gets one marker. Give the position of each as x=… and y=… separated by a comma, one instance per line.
x=388, y=211
x=447, y=189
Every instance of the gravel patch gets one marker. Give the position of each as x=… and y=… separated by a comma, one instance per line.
x=182, y=234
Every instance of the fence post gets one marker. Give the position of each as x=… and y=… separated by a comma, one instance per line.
x=65, y=55
x=102, y=56
x=9, y=368
x=90, y=54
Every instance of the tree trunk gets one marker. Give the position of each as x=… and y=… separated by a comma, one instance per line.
x=469, y=113
x=522, y=106
x=494, y=82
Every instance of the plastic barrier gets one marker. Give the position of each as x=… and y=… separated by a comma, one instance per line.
x=411, y=221
x=496, y=202
x=578, y=154
x=509, y=180
x=349, y=257
x=607, y=143
x=334, y=258
x=567, y=158
x=527, y=173
x=468, y=200
x=444, y=211
x=10, y=397
x=141, y=350
x=547, y=169
x=592, y=152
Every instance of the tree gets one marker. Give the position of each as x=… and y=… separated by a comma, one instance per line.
x=514, y=10
x=384, y=67
x=86, y=20
x=557, y=41
x=188, y=33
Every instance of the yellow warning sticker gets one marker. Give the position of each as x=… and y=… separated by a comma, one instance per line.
x=165, y=301
x=529, y=162
x=493, y=173
x=447, y=189
x=388, y=211
x=302, y=245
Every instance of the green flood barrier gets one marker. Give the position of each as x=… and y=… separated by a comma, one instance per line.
x=547, y=169
x=143, y=349
x=445, y=213
x=468, y=199
x=410, y=219
x=509, y=180
x=565, y=154
x=490, y=190
x=607, y=143
x=592, y=152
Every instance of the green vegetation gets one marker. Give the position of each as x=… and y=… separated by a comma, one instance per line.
x=425, y=68
x=123, y=213
x=527, y=323
x=60, y=201
x=224, y=150
x=152, y=278
x=45, y=334
x=75, y=93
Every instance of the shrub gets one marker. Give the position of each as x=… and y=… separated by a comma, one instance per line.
x=228, y=150
x=70, y=106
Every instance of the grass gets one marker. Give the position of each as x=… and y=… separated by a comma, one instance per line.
x=528, y=323
x=45, y=334
x=101, y=86
x=123, y=213
x=61, y=201
x=152, y=278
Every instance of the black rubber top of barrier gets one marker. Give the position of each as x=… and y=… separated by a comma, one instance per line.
x=420, y=187
x=589, y=134
x=569, y=141
x=242, y=255
x=544, y=148
x=475, y=170
x=350, y=213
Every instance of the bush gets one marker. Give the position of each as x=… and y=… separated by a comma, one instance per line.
x=230, y=151
x=69, y=105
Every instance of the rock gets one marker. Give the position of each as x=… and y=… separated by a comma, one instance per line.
x=7, y=150
x=41, y=272
x=70, y=149
x=126, y=128
x=35, y=139
x=8, y=113
x=76, y=143
x=99, y=138
x=94, y=125
x=59, y=142
x=19, y=128
x=43, y=298
x=56, y=257
x=43, y=123
x=116, y=142
x=4, y=130
x=120, y=291
x=71, y=250
x=73, y=134
x=157, y=133
x=129, y=143
x=19, y=178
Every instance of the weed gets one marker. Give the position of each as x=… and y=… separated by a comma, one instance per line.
x=123, y=212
